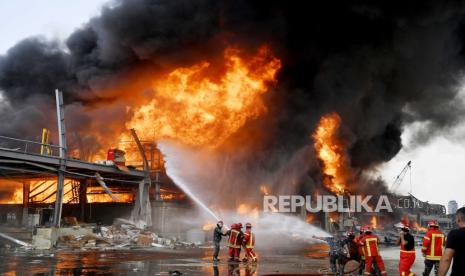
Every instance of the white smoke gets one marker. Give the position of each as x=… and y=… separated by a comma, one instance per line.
x=209, y=180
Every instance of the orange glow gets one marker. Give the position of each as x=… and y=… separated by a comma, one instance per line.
x=172, y=196
x=374, y=222
x=331, y=151
x=132, y=154
x=310, y=217
x=333, y=217
x=418, y=227
x=44, y=191
x=16, y=198
x=201, y=105
x=167, y=196
x=97, y=194
x=264, y=190
x=242, y=209
x=248, y=210
x=208, y=226
x=317, y=251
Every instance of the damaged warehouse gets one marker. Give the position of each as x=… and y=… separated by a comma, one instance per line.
x=97, y=193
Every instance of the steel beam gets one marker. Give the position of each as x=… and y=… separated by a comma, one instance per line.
x=62, y=160
x=71, y=164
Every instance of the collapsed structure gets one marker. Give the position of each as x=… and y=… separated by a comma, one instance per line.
x=43, y=174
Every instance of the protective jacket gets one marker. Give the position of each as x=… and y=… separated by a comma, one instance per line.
x=433, y=244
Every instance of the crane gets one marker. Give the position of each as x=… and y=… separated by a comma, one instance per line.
x=401, y=176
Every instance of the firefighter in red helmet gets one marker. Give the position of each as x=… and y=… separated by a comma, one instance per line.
x=407, y=251
x=249, y=243
x=234, y=235
x=361, y=251
x=370, y=244
x=239, y=241
x=433, y=246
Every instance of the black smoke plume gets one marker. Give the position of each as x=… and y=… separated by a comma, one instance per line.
x=379, y=64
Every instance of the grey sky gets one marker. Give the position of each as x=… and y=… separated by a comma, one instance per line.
x=51, y=18
x=438, y=168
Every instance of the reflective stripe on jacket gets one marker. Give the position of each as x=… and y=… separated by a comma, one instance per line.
x=233, y=238
x=249, y=239
x=433, y=244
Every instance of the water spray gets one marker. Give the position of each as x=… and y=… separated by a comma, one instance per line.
x=271, y=227
x=182, y=185
x=172, y=172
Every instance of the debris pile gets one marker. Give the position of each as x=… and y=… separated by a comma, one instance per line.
x=122, y=234
x=84, y=241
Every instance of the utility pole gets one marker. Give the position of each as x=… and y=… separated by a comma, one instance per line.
x=62, y=167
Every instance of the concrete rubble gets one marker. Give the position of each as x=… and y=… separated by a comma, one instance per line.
x=44, y=238
x=122, y=234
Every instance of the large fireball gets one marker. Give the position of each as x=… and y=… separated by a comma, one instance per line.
x=202, y=107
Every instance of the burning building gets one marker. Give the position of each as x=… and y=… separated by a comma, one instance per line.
x=239, y=95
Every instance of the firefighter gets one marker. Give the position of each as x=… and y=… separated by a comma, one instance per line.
x=372, y=255
x=407, y=251
x=361, y=251
x=234, y=235
x=217, y=235
x=249, y=243
x=336, y=255
x=351, y=248
x=433, y=246
x=239, y=241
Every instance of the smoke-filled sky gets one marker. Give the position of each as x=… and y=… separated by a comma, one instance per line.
x=380, y=66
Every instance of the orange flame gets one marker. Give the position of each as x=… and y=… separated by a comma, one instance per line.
x=97, y=194
x=208, y=226
x=16, y=198
x=248, y=210
x=374, y=222
x=200, y=105
x=310, y=217
x=418, y=227
x=44, y=191
x=333, y=217
x=264, y=190
x=331, y=151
